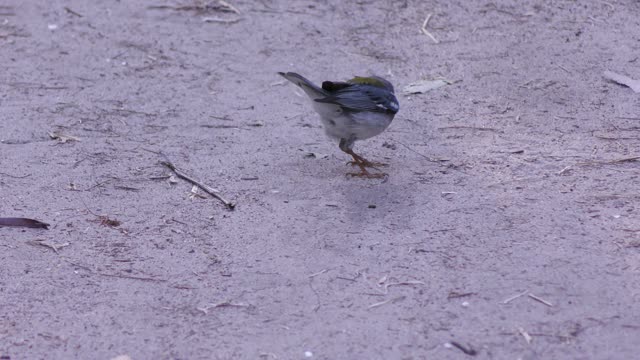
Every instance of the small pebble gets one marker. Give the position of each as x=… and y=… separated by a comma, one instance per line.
x=308, y=354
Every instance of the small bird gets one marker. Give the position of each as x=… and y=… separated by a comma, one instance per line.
x=357, y=109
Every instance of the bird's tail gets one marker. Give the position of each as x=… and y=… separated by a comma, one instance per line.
x=311, y=89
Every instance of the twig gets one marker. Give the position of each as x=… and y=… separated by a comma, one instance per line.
x=426, y=32
x=205, y=308
x=410, y=282
x=15, y=176
x=278, y=83
x=468, y=351
x=616, y=161
x=72, y=12
x=133, y=277
x=423, y=155
x=62, y=138
x=318, y=273
x=494, y=7
x=220, y=20
x=455, y=295
x=209, y=190
x=222, y=6
x=378, y=304
x=563, y=68
x=603, y=162
x=508, y=300
x=468, y=127
x=229, y=6
x=609, y=5
x=525, y=335
x=49, y=244
x=564, y=169
x=541, y=300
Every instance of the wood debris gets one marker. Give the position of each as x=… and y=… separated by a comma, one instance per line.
x=61, y=137
x=23, y=222
x=425, y=31
x=623, y=80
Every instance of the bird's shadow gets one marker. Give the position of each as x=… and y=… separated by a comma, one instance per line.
x=381, y=203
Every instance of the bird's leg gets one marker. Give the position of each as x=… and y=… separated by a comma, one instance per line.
x=362, y=163
x=364, y=173
x=373, y=164
x=346, y=146
x=357, y=159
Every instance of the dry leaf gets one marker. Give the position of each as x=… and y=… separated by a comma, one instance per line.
x=23, y=222
x=423, y=86
x=623, y=80
x=315, y=155
x=50, y=244
x=62, y=138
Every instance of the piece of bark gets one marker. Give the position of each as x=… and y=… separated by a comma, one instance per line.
x=23, y=222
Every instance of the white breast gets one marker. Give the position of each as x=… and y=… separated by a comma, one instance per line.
x=359, y=125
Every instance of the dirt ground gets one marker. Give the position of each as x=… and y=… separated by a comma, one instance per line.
x=508, y=224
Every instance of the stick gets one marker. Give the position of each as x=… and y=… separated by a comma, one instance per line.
x=318, y=273
x=564, y=169
x=506, y=301
x=617, y=161
x=229, y=6
x=418, y=153
x=455, y=295
x=209, y=190
x=525, y=335
x=426, y=32
x=468, y=351
x=378, y=304
x=72, y=12
x=541, y=300
x=23, y=222
x=410, y=282
x=220, y=20
x=14, y=176
x=49, y=244
x=133, y=277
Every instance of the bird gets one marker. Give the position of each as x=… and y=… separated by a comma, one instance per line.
x=352, y=110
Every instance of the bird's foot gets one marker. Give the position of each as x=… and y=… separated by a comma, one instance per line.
x=367, y=163
x=374, y=164
x=367, y=175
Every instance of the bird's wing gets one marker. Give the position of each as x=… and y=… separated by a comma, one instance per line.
x=355, y=98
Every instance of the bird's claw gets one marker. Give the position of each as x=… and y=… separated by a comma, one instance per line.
x=367, y=175
x=367, y=163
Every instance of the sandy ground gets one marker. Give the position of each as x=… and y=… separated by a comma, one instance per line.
x=520, y=178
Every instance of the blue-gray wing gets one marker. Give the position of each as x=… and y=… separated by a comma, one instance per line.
x=358, y=98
